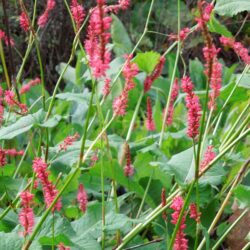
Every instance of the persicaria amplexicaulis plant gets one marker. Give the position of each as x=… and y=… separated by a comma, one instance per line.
x=124, y=124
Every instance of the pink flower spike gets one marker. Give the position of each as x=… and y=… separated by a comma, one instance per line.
x=43, y=19
x=194, y=214
x=120, y=104
x=82, y=198
x=78, y=13
x=2, y=158
x=26, y=216
x=24, y=21
x=150, y=124
x=193, y=106
x=106, y=87
x=9, y=97
x=68, y=141
x=49, y=190
x=13, y=152
x=207, y=158
x=174, y=94
x=181, y=243
x=129, y=168
x=154, y=75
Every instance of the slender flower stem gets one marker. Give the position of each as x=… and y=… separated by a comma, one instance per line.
x=131, y=126
x=246, y=247
x=5, y=70
x=145, y=195
x=173, y=76
x=103, y=200
x=219, y=213
x=218, y=243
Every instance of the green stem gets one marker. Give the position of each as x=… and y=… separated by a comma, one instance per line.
x=131, y=126
x=53, y=231
x=5, y=70
x=173, y=76
x=144, y=195
x=103, y=202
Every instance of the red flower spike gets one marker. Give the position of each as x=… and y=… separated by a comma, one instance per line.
x=24, y=21
x=154, y=75
x=129, y=168
x=26, y=216
x=77, y=12
x=82, y=198
x=49, y=190
x=150, y=124
x=181, y=243
x=193, y=106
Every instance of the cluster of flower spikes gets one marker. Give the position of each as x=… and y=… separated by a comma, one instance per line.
x=150, y=124
x=209, y=155
x=7, y=41
x=193, y=106
x=26, y=215
x=154, y=75
x=181, y=243
x=68, y=141
x=26, y=88
x=238, y=48
x=9, y=98
x=97, y=39
x=49, y=190
x=82, y=198
x=130, y=70
x=194, y=214
x=128, y=168
x=174, y=94
x=43, y=19
x=77, y=12
x=24, y=21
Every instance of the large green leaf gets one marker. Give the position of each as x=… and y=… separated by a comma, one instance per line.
x=69, y=74
x=242, y=193
x=147, y=61
x=81, y=98
x=22, y=125
x=215, y=26
x=231, y=7
x=10, y=241
x=120, y=38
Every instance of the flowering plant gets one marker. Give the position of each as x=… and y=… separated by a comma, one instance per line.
x=131, y=148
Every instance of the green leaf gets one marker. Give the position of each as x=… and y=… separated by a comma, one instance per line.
x=22, y=125
x=215, y=26
x=120, y=37
x=10, y=241
x=197, y=73
x=147, y=61
x=80, y=68
x=242, y=194
x=69, y=74
x=75, y=97
x=231, y=7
